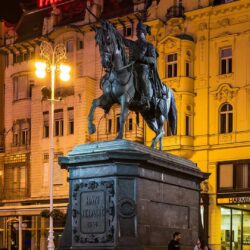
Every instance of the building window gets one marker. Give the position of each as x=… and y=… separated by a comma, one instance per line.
x=130, y=124
x=15, y=135
x=226, y=60
x=172, y=65
x=71, y=120
x=58, y=122
x=20, y=87
x=23, y=177
x=21, y=57
x=188, y=69
x=242, y=174
x=57, y=171
x=15, y=180
x=167, y=129
x=226, y=175
x=188, y=125
x=46, y=124
x=25, y=135
x=226, y=118
x=21, y=132
x=109, y=126
x=117, y=123
x=128, y=31
x=69, y=46
x=234, y=176
x=79, y=70
x=6, y=60
x=80, y=44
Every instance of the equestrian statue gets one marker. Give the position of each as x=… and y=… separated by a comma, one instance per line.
x=133, y=82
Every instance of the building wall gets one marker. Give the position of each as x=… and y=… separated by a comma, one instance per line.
x=212, y=28
x=1, y=111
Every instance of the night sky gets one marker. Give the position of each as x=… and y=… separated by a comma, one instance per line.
x=10, y=10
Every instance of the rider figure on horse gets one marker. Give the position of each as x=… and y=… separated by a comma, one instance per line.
x=144, y=54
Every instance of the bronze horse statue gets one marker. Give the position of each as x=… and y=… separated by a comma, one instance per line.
x=119, y=85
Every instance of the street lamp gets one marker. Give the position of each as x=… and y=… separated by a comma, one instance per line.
x=53, y=58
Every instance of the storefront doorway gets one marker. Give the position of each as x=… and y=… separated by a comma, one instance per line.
x=235, y=229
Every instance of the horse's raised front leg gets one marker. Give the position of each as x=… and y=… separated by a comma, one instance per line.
x=123, y=116
x=95, y=103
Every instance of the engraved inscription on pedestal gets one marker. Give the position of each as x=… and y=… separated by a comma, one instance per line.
x=93, y=212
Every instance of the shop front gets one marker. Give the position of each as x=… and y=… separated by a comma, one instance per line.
x=24, y=228
x=235, y=223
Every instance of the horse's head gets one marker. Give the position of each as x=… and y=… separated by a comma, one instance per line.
x=111, y=46
x=105, y=40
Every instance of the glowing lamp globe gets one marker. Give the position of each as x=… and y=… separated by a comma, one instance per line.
x=64, y=72
x=40, y=69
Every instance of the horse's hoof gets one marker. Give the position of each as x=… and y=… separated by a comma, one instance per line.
x=92, y=129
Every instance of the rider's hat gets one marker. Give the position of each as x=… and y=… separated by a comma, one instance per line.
x=143, y=27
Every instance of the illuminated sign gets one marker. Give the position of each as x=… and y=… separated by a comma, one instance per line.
x=234, y=200
x=44, y=3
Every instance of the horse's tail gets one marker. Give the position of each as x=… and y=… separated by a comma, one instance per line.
x=172, y=115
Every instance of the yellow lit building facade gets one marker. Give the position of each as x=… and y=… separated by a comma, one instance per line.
x=204, y=57
x=204, y=50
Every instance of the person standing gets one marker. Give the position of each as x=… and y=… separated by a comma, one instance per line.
x=201, y=245
x=174, y=244
x=198, y=245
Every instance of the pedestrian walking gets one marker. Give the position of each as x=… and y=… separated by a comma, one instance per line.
x=174, y=244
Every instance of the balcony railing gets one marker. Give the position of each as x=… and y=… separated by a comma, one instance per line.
x=175, y=11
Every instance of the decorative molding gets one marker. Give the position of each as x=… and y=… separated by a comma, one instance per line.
x=201, y=38
x=170, y=43
x=175, y=26
x=126, y=208
x=225, y=138
x=224, y=22
x=169, y=40
x=225, y=92
x=204, y=186
x=203, y=26
x=217, y=10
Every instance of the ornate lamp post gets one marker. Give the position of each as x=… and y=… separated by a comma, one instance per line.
x=53, y=57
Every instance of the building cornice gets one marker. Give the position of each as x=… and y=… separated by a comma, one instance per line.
x=218, y=10
x=30, y=44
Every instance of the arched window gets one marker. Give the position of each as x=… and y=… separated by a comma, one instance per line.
x=226, y=118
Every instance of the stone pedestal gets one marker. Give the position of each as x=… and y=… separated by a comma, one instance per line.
x=124, y=195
